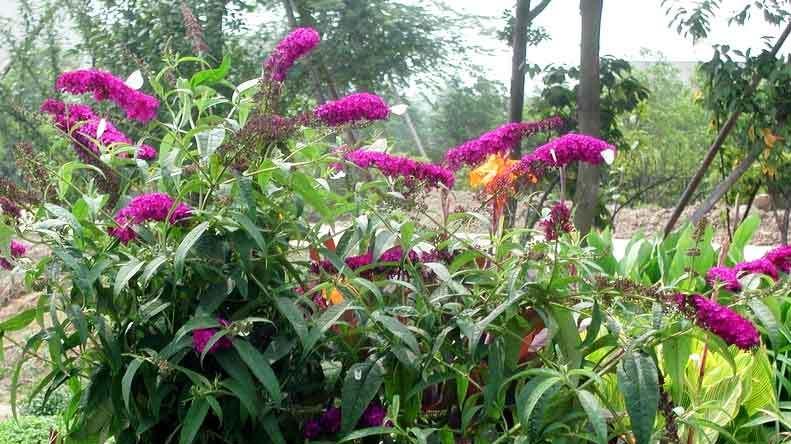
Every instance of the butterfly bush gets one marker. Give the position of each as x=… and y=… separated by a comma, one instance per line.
x=771, y=264
x=145, y=208
x=299, y=43
x=399, y=166
x=17, y=249
x=105, y=86
x=352, y=109
x=558, y=221
x=82, y=125
x=202, y=336
x=720, y=320
x=499, y=141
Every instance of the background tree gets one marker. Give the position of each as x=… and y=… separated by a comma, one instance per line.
x=589, y=112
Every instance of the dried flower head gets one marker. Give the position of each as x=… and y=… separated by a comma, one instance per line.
x=194, y=30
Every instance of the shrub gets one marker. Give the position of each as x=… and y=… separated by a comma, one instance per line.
x=225, y=293
x=27, y=430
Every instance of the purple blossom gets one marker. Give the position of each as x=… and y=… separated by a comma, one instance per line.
x=498, y=141
x=82, y=125
x=781, y=258
x=391, y=255
x=331, y=420
x=311, y=429
x=300, y=42
x=726, y=276
x=145, y=208
x=18, y=249
x=558, y=221
x=399, y=166
x=105, y=86
x=374, y=415
x=352, y=109
x=9, y=208
x=720, y=320
x=569, y=148
x=758, y=266
x=202, y=336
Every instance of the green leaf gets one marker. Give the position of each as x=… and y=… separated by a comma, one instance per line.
x=126, y=381
x=768, y=320
x=360, y=386
x=186, y=244
x=249, y=227
x=741, y=236
x=288, y=308
x=193, y=420
x=398, y=329
x=592, y=332
x=151, y=269
x=127, y=271
x=590, y=403
x=638, y=381
x=327, y=319
x=272, y=429
x=530, y=394
x=209, y=76
x=364, y=433
x=303, y=185
x=19, y=321
x=257, y=364
x=675, y=355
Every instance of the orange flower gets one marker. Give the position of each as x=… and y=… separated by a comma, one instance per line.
x=495, y=165
x=335, y=297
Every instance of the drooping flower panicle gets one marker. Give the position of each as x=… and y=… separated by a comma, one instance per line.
x=392, y=255
x=300, y=42
x=498, y=141
x=80, y=122
x=353, y=109
x=558, y=221
x=105, y=86
x=771, y=264
x=720, y=320
x=399, y=166
x=145, y=208
x=17, y=249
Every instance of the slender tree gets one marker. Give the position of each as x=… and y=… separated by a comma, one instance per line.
x=589, y=112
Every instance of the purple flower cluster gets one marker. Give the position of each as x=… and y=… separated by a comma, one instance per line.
x=145, y=208
x=329, y=423
x=556, y=153
x=771, y=264
x=352, y=109
x=720, y=320
x=297, y=44
x=105, y=86
x=498, y=141
x=398, y=166
x=559, y=221
x=202, y=336
x=82, y=125
x=9, y=208
x=389, y=256
x=18, y=249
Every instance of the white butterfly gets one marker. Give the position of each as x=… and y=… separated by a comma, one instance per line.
x=135, y=80
x=399, y=110
x=608, y=155
x=101, y=128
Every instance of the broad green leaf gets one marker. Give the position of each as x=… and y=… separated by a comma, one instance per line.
x=767, y=318
x=303, y=185
x=125, y=273
x=364, y=433
x=288, y=308
x=19, y=321
x=675, y=355
x=151, y=269
x=186, y=244
x=260, y=367
x=567, y=336
x=209, y=76
x=249, y=227
x=592, y=332
x=128, y=379
x=590, y=403
x=327, y=319
x=638, y=381
x=272, y=429
x=193, y=420
x=741, y=236
x=762, y=392
x=529, y=396
x=398, y=329
x=360, y=386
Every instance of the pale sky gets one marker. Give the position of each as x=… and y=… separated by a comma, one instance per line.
x=627, y=26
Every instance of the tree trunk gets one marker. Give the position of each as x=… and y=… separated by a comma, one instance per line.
x=589, y=112
x=726, y=184
x=718, y=141
x=215, y=12
x=517, y=102
x=415, y=136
